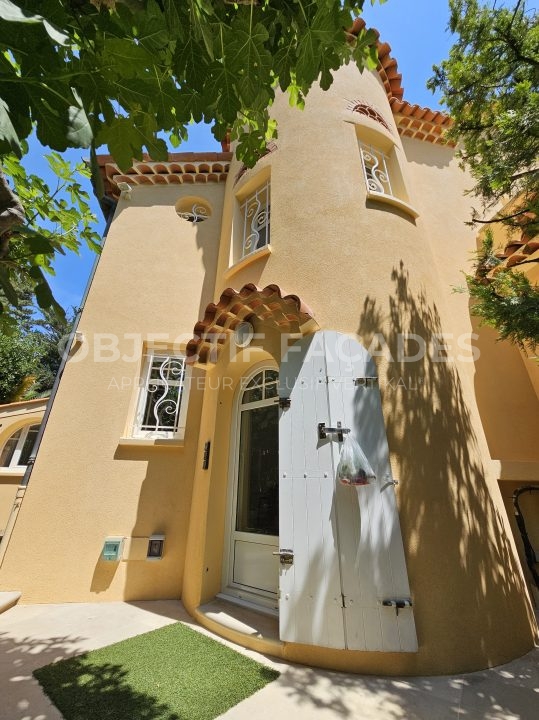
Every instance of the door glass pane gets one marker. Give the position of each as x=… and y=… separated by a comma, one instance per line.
x=253, y=395
x=257, y=380
x=258, y=481
x=271, y=376
x=271, y=391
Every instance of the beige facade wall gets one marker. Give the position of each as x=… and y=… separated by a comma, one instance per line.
x=13, y=417
x=155, y=275
x=370, y=269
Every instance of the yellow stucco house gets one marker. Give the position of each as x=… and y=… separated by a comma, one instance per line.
x=245, y=331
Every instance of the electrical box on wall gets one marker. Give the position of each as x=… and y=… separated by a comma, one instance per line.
x=112, y=549
x=156, y=545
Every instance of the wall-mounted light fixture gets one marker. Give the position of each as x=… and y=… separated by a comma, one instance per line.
x=125, y=190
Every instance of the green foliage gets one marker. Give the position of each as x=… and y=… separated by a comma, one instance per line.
x=169, y=674
x=20, y=357
x=118, y=72
x=490, y=84
x=504, y=299
x=57, y=220
x=86, y=73
x=30, y=354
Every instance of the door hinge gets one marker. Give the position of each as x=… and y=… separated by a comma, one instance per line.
x=367, y=381
x=343, y=600
x=397, y=603
x=284, y=402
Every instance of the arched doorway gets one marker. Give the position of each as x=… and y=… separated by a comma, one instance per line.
x=252, y=570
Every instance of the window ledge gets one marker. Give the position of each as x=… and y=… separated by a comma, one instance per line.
x=247, y=260
x=151, y=442
x=13, y=471
x=392, y=200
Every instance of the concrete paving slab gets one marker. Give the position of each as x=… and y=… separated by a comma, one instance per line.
x=34, y=635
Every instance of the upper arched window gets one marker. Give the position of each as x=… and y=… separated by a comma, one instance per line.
x=18, y=448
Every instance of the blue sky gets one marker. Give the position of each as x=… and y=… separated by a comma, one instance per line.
x=416, y=32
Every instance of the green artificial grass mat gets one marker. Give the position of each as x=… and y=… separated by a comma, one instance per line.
x=173, y=673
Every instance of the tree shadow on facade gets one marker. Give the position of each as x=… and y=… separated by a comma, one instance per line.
x=466, y=587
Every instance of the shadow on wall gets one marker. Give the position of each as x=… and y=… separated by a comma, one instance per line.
x=467, y=591
x=506, y=398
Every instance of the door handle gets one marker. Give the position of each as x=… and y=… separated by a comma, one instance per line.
x=286, y=557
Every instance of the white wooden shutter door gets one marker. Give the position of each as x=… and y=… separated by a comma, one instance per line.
x=310, y=602
x=346, y=541
x=373, y=566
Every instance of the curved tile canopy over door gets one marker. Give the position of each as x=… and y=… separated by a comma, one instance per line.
x=348, y=555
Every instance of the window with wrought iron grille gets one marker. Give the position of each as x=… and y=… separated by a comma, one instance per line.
x=382, y=172
x=376, y=169
x=18, y=448
x=162, y=402
x=255, y=221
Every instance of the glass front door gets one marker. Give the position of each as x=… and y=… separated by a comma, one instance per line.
x=255, y=534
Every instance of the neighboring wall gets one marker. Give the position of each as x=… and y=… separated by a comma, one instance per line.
x=155, y=275
x=13, y=417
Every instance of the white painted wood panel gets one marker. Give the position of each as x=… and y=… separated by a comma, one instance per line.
x=373, y=566
x=310, y=605
x=347, y=543
x=255, y=565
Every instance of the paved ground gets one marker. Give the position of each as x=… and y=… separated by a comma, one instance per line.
x=35, y=635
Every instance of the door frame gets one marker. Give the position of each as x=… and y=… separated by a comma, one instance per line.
x=262, y=600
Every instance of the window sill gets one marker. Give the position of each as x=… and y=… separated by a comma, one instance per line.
x=391, y=200
x=247, y=260
x=13, y=471
x=151, y=442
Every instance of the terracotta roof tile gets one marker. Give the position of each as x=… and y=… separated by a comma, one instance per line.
x=269, y=305
x=181, y=168
x=392, y=81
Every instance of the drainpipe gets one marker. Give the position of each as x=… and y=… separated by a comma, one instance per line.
x=109, y=207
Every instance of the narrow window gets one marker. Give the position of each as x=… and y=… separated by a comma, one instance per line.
x=376, y=169
x=160, y=403
x=255, y=220
x=382, y=171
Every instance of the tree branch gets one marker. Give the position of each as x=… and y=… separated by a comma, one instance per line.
x=500, y=219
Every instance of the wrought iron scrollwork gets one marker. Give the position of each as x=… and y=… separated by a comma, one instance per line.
x=166, y=408
x=196, y=214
